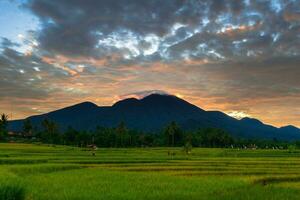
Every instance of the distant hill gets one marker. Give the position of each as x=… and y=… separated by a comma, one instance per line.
x=153, y=113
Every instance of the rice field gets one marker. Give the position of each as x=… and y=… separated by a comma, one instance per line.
x=42, y=172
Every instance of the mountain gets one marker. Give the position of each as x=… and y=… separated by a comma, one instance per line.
x=290, y=131
x=152, y=113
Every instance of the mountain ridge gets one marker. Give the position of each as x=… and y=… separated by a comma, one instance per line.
x=154, y=112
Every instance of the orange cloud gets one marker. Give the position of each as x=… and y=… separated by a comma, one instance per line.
x=291, y=16
x=232, y=30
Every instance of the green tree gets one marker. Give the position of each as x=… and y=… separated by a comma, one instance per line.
x=50, y=130
x=3, y=126
x=27, y=128
x=173, y=134
x=187, y=147
x=212, y=137
x=121, y=132
x=297, y=143
x=70, y=136
x=84, y=138
x=292, y=148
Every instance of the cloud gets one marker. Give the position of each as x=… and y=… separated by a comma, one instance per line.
x=74, y=28
x=235, y=56
x=141, y=94
x=166, y=30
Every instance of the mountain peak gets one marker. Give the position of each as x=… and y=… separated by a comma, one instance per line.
x=151, y=97
x=290, y=127
x=160, y=102
x=85, y=104
x=126, y=102
x=251, y=120
x=159, y=96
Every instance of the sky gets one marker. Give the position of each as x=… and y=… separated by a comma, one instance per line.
x=239, y=57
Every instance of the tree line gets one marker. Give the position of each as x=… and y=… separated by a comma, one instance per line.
x=121, y=136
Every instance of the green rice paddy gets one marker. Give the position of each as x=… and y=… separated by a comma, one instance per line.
x=58, y=172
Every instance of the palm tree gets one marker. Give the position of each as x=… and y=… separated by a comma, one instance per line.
x=170, y=131
x=50, y=128
x=121, y=131
x=27, y=127
x=3, y=125
x=4, y=118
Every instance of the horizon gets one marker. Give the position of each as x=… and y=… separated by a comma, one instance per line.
x=240, y=58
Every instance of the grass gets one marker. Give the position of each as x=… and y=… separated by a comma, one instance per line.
x=11, y=188
x=32, y=172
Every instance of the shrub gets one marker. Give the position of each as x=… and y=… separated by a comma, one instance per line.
x=292, y=148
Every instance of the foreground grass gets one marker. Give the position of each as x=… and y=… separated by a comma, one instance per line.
x=44, y=172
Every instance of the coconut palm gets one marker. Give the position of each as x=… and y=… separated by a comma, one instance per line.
x=3, y=125
x=50, y=129
x=172, y=132
x=121, y=131
x=27, y=128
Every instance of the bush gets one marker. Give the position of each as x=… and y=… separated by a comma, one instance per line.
x=292, y=148
x=187, y=148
